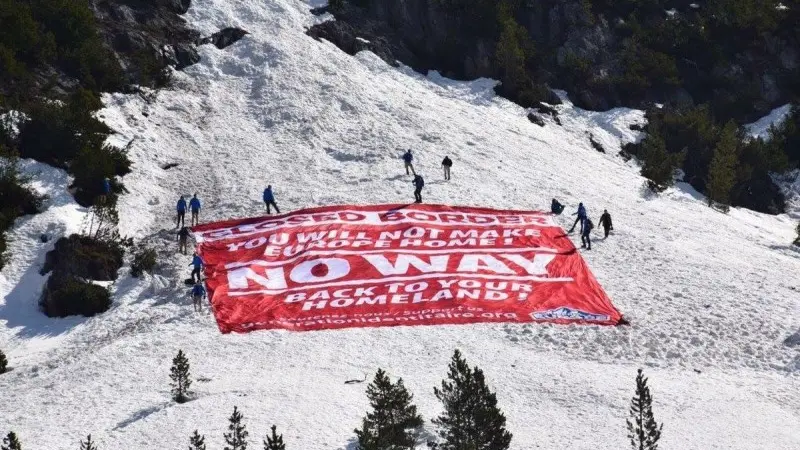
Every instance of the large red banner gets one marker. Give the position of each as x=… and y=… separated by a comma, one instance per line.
x=386, y=265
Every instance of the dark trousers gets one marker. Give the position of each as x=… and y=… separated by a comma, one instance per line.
x=606, y=230
x=586, y=241
x=272, y=203
x=181, y=219
x=578, y=220
x=446, y=173
x=418, y=195
x=196, y=271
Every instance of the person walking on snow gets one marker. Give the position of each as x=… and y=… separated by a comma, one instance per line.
x=197, y=263
x=605, y=222
x=581, y=217
x=407, y=159
x=181, y=212
x=183, y=237
x=418, y=184
x=556, y=207
x=586, y=240
x=269, y=199
x=198, y=293
x=194, y=205
x=447, y=163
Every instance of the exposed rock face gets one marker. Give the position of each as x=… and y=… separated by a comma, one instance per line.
x=137, y=28
x=224, y=37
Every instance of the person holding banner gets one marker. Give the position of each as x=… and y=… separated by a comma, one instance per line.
x=581, y=213
x=418, y=184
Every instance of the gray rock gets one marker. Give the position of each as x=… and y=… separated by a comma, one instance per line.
x=224, y=37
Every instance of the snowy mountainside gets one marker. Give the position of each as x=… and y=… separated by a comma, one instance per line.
x=710, y=297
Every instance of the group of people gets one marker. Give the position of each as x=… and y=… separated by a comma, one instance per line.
x=418, y=181
x=198, y=291
x=586, y=224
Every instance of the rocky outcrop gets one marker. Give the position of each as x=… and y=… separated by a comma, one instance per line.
x=147, y=35
x=224, y=37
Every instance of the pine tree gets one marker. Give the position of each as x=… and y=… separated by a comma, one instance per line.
x=10, y=442
x=179, y=374
x=237, y=436
x=197, y=441
x=471, y=418
x=722, y=171
x=390, y=425
x=88, y=445
x=643, y=431
x=658, y=166
x=274, y=442
x=3, y=363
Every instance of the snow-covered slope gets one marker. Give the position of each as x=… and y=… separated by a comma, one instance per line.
x=710, y=296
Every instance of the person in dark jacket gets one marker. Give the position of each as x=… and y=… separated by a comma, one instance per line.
x=447, y=163
x=181, y=208
x=407, y=159
x=418, y=184
x=556, y=207
x=581, y=213
x=183, y=238
x=198, y=293
x=586, y=240
x=194, y=205
x=197, y=264
x=269, y=200
x=605, y=222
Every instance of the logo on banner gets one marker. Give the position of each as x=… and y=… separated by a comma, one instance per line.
x=569, y=314
x=388, y=265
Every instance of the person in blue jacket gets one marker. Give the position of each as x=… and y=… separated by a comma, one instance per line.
x=197, y=264
x=106, y=190
x=269, y=200
x=181, y=208
x=586, y=241
x=198, y=293
x=194, y=205
x=581, y=213
x=407, y=159
x=418, y=184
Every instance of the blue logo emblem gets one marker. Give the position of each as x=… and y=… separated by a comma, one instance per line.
x=569, y=314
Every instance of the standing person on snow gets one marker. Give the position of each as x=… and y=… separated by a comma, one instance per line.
x=194, y=205
x=198, y=293
x=418, y=184
x=605, y=222
x=197, y=262
x=586, y=240
x=447, y=163
x=269, y=199
x=556, y=207
x=581, y=217
x=181, y=212
x=183, y=237
x=106, y=190
x=407, y=158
